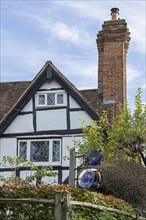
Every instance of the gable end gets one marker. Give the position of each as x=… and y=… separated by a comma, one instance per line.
x=48, y=72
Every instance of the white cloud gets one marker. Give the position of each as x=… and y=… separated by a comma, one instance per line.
x=58, y=30
x=133, y=11
x=66, y=33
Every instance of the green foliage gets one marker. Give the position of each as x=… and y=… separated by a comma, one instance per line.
x=46, y=211
x=95, y=136
x=128, y=132
x=15, y=162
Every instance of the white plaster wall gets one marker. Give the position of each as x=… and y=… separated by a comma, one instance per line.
x=51, y=120
x=75, y=118
x=7, y=147
x=28, y=106
x=24, y=174
x=65, y=175
x=68, y=141
x=46, y=179
x=51, y=180
x=21, y=124
x=53, y=84
x=5, y=175
x=73, y=103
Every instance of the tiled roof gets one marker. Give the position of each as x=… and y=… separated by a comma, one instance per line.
x=10, y=92
x=92, y=97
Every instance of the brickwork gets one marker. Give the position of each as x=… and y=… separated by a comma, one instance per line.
x=112, y=44
x=95, y=99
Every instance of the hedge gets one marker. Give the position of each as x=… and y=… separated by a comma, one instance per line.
x=46, y=211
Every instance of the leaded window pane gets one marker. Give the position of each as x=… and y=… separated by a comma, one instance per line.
x=39, y=151
x=23, y=150
x=41, y=100
x=60, y=99
x=51, y=99
x=56, y=151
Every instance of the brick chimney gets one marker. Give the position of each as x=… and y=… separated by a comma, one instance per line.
x=112, y=43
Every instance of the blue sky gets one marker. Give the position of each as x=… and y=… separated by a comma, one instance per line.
x=34, y=31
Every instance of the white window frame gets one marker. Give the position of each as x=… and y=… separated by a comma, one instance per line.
x=46, y=94
x=50, y=162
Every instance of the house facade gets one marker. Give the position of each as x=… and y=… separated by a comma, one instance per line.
x=40, y=117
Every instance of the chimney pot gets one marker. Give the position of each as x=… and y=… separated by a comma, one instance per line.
x=114, y=14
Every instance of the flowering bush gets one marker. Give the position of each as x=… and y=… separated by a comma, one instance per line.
x=46, y=211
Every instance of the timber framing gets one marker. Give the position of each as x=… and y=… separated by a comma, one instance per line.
x=47, y=73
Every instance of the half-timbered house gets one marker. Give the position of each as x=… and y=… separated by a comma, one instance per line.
x=39, y=117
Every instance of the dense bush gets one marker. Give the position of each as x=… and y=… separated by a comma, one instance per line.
x=125, y=180
x=46, y=211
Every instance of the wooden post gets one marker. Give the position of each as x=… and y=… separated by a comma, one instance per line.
x=65, y=205
x=72, y=168
x=61, y=205
x=58, y=197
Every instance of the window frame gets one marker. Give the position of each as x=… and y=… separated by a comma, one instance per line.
x=56, y=93
x=50, y=161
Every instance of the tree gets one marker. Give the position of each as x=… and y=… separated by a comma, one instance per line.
x=128, y=132
x=95, y=136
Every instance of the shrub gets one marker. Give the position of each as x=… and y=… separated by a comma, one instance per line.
x=125, y=180
x=46, y=211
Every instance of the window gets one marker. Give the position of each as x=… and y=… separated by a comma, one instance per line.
x=50, y=99
x=41, y=99
x=56, y=151
x=41, y=151
x=60, y=99
x=23, y=149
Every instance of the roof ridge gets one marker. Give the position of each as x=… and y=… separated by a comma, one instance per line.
x=16, y=81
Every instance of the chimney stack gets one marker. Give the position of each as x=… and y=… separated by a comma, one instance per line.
x=114, y=14
x=112, y=43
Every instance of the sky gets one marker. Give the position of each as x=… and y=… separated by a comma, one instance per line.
x=65, y=32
